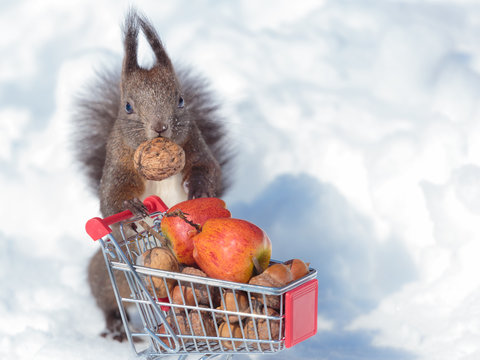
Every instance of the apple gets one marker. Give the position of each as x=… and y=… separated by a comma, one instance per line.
x=225, y=249
x=180, y=233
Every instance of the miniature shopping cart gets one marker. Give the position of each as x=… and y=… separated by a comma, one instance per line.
x=205, y=325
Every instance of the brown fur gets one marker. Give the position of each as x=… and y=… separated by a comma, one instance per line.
x=107, y=136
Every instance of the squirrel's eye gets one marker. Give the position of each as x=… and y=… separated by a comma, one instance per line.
x=128, y=108
x=181, y=102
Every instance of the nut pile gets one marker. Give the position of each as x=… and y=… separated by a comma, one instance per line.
x=205, y=312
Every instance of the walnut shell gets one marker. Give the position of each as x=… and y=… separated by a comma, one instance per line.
x=162, y=259
x=181, y=325
x=205, y=317
x=232, y=330
x=201, y=291
x=261, y=326
x=230, y=305
x=190, y=270
x=158, y=159
x=178, y=322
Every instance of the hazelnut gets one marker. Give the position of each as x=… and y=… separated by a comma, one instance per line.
x=232, y=330
x=165, y=339
x=297, y=267
x=280, y=274
x=276, y=275
x=187, y=294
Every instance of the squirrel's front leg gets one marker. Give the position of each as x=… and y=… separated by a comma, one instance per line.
x=199, y=183
x=201, y=174
x=121, y=191
x=136, y=207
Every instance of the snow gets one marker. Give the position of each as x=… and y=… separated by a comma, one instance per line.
x=357, y=131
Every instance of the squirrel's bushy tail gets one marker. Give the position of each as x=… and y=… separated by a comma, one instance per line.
x=97, y=109
x=95, y=112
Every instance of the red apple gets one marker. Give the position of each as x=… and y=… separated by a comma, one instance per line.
x=225, y=249
x=180, y=233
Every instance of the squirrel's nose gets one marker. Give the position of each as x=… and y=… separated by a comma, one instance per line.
x=160, y=128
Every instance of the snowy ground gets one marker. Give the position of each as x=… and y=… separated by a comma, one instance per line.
x=357, y=126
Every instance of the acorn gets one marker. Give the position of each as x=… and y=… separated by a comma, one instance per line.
x=159, y=158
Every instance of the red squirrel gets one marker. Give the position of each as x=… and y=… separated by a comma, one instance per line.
x=123, y=109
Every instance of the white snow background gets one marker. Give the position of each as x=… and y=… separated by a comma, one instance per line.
x=357, y=128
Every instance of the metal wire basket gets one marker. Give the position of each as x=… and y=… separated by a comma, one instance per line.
x=207, y=316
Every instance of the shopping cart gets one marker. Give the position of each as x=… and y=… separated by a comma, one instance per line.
x=201, y=323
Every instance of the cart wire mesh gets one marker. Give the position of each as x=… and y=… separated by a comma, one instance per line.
x=206, y=316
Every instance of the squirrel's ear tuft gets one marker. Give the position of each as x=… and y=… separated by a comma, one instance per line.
x=153, y=39
x=130, y=41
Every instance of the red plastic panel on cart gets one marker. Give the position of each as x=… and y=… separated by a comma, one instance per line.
x=301, y=313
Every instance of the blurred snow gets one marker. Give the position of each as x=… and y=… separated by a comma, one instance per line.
x=358, y=138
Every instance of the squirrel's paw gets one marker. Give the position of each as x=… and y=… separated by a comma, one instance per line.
x=136, y=207
x=115, y=330
x=197, y=187
x=198, y=194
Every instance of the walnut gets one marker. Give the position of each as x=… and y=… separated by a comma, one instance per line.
x=201, y=291
x=162, y=259
x=181, y=325
x=177, y=320
x=229, y=304
x=197, y=318
x=262, y=325
x=158, y=159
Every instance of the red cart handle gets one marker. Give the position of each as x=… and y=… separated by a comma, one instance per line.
x=97, y=227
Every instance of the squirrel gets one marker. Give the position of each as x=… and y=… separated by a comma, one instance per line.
x=123, y=109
